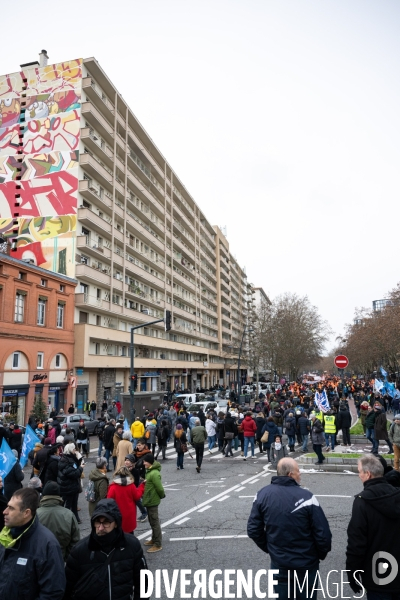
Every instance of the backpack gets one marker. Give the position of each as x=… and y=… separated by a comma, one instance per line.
x=90, y=493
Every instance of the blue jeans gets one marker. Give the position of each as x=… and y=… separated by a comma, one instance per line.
x=141, y=507
x=179, y=460
x=247, y=441
x=282, y=587
x=304, y=437
x=211, y=441
x=371, y=436
x=291, y=440
x=280, y=429
x=235, y=443
x=100, y=447
x=93, y=414
x=107, y=455
x=330, y=437
x=134, y=442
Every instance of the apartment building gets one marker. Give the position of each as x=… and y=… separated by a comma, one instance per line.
x=86, y=192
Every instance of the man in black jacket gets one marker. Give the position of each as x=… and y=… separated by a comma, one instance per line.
x=107, y=563
x=287, y=522
x=343, y=422
x=373, y=540
x=31, y=563
x=108, y=440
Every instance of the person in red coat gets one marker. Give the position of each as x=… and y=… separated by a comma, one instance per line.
x=125, y=493
x=249, y=428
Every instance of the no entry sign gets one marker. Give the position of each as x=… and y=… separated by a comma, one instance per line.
x=341, y=361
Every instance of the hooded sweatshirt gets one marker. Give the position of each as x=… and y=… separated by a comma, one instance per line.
x=374, y=527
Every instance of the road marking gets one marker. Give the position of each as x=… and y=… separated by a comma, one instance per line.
x=182, y=521
x=205, y=508
x=223, y=498
x=240, y=489
x=208, y=537
x=247, y=496
x=196, y=508
x=254, y=481
x=331, y=496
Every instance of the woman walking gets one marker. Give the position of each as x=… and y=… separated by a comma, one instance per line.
x=179, y=440
x=123, y=449
x=162, y=438
x=125, y=493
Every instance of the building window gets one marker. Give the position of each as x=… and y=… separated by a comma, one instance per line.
x=43, y=282
x=19, y=307
x=97, y=348
x=83, y=317
x=58, y=361
x=62, y=261
x=41, y=312
x=40, y=360
x=84, y=288
x=22, y=276
x=60, y=315
x=123, y=351
x=15, y=360
x=62, y=288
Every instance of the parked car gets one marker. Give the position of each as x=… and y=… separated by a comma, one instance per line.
x=206, y=406
x=72, y=421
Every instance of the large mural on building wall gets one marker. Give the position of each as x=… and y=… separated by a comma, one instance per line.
x=40, y=111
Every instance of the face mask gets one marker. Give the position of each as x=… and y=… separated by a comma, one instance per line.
x=278, y=445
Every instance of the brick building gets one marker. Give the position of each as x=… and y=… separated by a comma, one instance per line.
x=36, y=337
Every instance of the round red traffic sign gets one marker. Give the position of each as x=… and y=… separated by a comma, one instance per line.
x=341, y=361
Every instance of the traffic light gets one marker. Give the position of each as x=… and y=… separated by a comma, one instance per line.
x=167, y=320
x=134, y=381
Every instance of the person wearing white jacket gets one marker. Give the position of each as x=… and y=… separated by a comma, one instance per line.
x=211, y=435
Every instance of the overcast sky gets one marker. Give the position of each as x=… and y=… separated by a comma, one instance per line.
x=280, y=117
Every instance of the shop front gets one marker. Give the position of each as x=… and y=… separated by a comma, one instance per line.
x=14, y=400
x=57, y=396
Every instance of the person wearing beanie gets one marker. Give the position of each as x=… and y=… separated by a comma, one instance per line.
x=36, y=484
x=61, y=521
x=117, y=556
x=153, y=494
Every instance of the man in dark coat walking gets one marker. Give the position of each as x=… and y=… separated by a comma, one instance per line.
x=107, y=563
x=343, y=422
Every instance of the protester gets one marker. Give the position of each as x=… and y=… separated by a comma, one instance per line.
x=287, y=522
x=61, y=521
x=124, y=491
x=343, y=423
x=13, y=481
x=153, y=494
x=139, y=475
x=108, y=438
x=180, y=442
x=137, y=431
x=394, y=437
x=373, y=531
x=124, y=447
x=198, y=438
x=69, y=476
x=26, y=545
x=106, y=564
x=82, y=438
x=278, y=451
x=249, y=430
x=317, y=438
x=100, y=481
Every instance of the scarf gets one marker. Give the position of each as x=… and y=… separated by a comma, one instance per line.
x=122, y=480
x=278, y=445
x=10, y=536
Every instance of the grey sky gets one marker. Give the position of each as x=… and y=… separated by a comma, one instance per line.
x=281, y=118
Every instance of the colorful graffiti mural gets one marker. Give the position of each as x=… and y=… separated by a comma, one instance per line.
x=40, y=111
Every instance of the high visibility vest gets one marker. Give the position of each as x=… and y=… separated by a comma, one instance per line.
x=330, y=426
x=320, y=416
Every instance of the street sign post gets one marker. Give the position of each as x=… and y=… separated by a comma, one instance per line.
x=341, y=361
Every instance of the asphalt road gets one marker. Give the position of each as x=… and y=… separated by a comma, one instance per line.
x=204, y=516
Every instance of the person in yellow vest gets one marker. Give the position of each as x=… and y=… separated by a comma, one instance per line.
x=319, y=414
x=330, y=430
x=137, y=431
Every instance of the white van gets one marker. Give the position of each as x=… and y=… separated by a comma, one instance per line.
x=190, y=398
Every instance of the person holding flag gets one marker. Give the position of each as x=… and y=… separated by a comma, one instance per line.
x=7, y=459
x=30, y=440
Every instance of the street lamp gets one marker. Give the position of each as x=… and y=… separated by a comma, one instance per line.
x=248, y=330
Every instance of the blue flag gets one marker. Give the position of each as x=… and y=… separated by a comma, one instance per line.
x=126, y=425
x=30, y=439
x=384, y=373
x=321, y=400
x=7, y=459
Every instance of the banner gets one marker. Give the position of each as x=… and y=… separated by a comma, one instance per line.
x=126, y=425
x=30, y=439
x=7, y=459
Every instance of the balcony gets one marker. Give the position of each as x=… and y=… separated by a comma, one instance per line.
x=93, y=192
x=90, y=219
x=96, y=119
x=98, y=97
x=97, y=145
x=92, y=275
x=87, y=301
x=92, y=248
x=96, y=170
